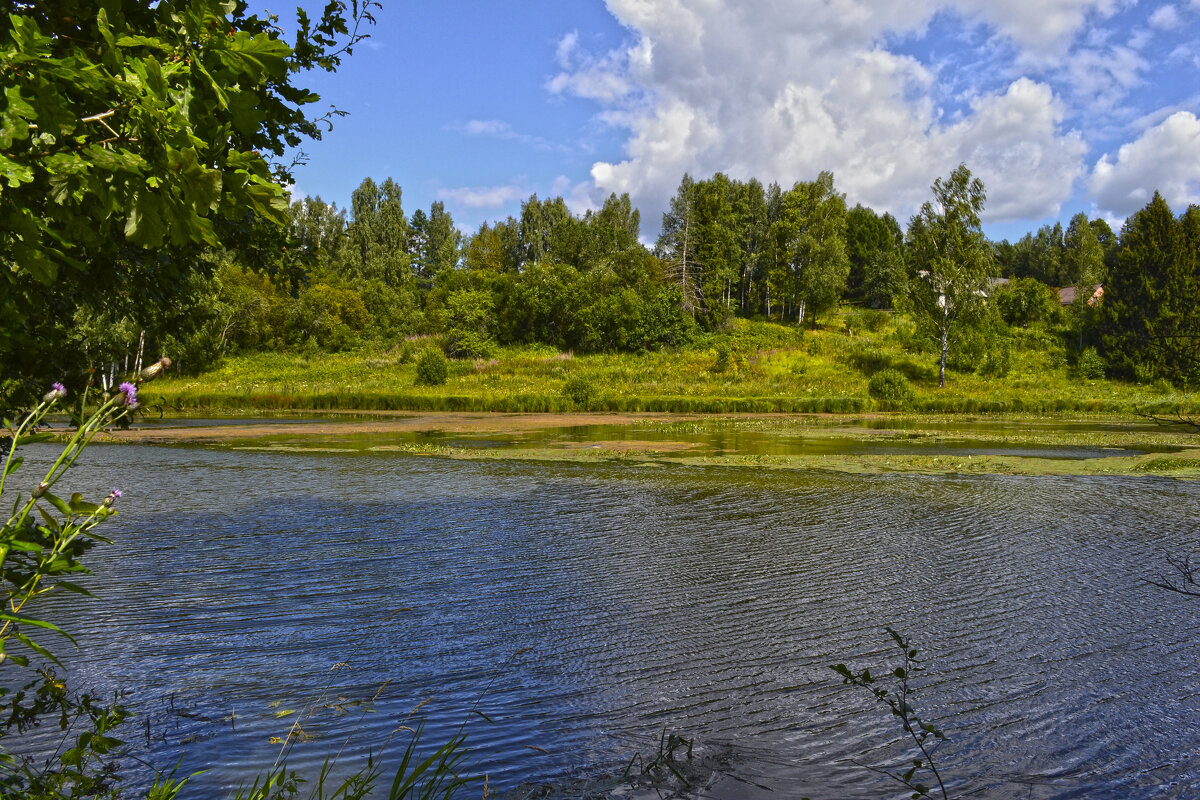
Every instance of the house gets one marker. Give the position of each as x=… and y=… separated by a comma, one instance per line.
x=1067, y=295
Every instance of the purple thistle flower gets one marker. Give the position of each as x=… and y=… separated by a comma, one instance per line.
x=112, y=498
x=57, y=392
x=130, y=392
x=116, y=493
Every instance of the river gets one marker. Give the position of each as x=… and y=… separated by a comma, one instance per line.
x=586, y=608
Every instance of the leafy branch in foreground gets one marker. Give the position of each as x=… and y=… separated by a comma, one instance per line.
x=925, y=735
x=41, y=545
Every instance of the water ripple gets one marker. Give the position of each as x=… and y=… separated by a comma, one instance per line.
x=704, y=601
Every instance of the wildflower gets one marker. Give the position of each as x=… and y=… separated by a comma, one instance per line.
x=154, y=370
x=57, y=392
x=130, y=392
x=112, y=497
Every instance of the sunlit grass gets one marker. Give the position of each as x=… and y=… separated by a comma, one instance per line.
x=771, y=368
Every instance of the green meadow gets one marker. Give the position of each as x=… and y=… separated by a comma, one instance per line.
x=753, y=367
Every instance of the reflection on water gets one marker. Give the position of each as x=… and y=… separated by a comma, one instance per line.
x=958, y=440
x=700, y=601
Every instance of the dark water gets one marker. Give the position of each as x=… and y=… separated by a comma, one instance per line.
x=587, y=608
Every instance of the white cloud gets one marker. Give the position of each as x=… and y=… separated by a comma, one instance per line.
x=1165, y=18
x=488, y=127
x=580, y=196
x=1102, y=78
x=482, y=196
x=1165, y=158
x=1187, y=54
x=1044, y=28
x=583, y=75
x=499, y=129
x=1012, y=143
x=780, y=90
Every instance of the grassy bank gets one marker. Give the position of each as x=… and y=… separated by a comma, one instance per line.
x=768, y=368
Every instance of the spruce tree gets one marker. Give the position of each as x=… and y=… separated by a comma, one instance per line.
x=1149, y=311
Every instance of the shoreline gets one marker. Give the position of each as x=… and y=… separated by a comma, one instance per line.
x=869, y=443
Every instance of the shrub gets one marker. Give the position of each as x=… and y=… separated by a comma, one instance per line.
x=1091, y=365
x=866, y=319
x=997, y=361
x=890, y=389
x=1026, y=300
x=580, y=390
x=724, y=356
x=432, y=368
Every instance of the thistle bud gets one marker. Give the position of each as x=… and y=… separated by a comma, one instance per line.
x=57, y=392
x=154, y=370
x=112, y=498
x=40, y=489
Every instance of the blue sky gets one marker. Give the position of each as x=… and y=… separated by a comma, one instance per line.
x=1059, y=105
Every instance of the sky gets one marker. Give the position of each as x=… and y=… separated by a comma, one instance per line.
x=1060, y=106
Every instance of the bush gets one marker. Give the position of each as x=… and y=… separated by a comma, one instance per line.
x=724, y=357
x=998, y=360
x=1091, y=365
x=866, y=319
x=891, y=390
x=432, y=368
x=1026, y=300
x=580, y=390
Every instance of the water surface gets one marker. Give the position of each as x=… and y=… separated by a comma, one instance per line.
x=586, y=608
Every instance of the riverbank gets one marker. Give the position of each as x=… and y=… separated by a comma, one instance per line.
x=749, y=368
x=853, y=444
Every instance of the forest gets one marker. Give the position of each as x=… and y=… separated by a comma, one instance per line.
x=371, y=276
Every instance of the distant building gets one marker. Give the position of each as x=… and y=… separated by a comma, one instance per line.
x=1067, y=295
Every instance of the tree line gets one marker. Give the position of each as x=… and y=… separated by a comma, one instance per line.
x=333, y=279
x=337, y=279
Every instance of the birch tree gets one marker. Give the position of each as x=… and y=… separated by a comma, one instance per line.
x=952, y=259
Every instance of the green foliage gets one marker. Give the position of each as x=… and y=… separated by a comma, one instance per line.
x=1091, y=365
x=580, y=390
x=471, y=314
x=724, y=357
x=810, y=242
x=947, y=246
x=1025, y=300
x=1150, y=321
x=42, y=544
x=132, y=137
x=866, y=320
x=779, y=369
x=997, y=361
x=432, y=368
x=874, y=245
x=891, y=390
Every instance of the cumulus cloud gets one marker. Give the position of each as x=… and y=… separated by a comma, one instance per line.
x=1165, y=18
x=781, y=90
x=482, y=196
x=1165, y=158
x=580, y=196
